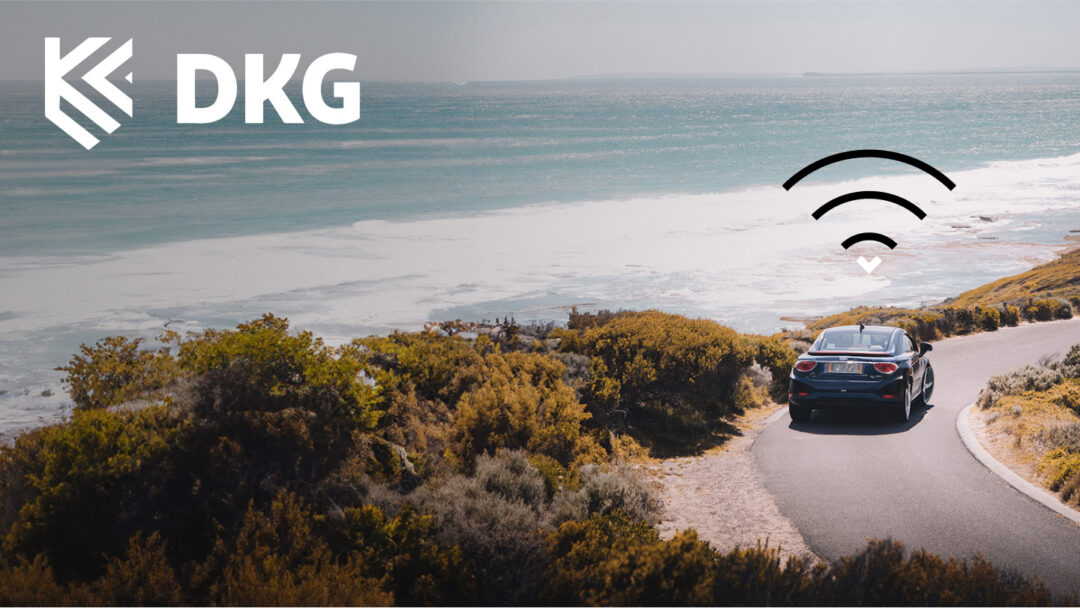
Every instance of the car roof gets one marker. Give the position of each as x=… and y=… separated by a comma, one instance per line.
x=876, y=329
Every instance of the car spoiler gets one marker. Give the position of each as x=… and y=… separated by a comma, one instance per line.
x=826, y=353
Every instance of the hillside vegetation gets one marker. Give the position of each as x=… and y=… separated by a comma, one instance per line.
x=1046, y=292
x=261, y=466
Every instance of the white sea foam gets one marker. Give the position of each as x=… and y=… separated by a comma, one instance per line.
x=744, y=257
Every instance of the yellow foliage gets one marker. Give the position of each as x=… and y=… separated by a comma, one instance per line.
x=522, y=403
x=1059, y=466
x=1057, y=279
x=116, y=370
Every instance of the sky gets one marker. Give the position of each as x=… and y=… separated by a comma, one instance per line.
x=471, y=41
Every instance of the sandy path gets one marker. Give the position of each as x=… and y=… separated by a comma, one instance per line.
x=720, y=495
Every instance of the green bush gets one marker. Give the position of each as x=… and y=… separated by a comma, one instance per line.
x=76, y=491
x=613, y=560
x=1010, y=315
x=116, y=370
x=988, y=318
x=403, y=553
x=142, y=577
x=262, y=367
x=523, y=403
x=277, y=559
x=1047, y=309
x=778, y=357
x=665, y=378
x=1059, y=465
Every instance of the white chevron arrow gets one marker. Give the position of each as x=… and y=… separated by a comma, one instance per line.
x=869, y=265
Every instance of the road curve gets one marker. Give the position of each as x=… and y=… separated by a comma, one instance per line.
x=848, y=476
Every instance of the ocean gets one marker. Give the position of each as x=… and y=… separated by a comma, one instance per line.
x=477, y=200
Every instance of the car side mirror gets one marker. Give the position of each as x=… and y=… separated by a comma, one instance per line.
x=925, y=347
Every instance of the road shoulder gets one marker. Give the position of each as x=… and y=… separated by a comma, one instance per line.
x=972, y=430
x=721, y=495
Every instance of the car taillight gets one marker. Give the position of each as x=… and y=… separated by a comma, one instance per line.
x=806, y=366
x=886, y=368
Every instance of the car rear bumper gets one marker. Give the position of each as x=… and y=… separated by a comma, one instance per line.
x=826, y=394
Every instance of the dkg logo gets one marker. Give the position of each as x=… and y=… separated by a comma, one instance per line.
x=57, y=89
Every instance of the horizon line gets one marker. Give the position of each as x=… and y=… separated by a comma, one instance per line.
x=678, y=75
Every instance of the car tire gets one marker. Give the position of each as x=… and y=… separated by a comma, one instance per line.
x=927, y=386
x=799, y=413
x=902, y=411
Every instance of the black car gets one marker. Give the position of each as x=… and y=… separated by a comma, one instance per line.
x=861, y=366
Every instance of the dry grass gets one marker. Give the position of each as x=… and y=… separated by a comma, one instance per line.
x=1057, y=279
x=1010, y=431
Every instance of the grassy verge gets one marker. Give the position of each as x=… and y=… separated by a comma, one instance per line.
x=1030, y=420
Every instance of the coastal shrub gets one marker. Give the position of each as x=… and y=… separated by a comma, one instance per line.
x=115, y=370
x=32, y=583
x=402, y=552
x=1059, y=465
x=420, y=378
x=1047, y=309
x=665, y=378
x=778, y=357
x=603, y=491
x=987, y=318
x=1064, y=310
x=749, y=395
x=1064, y=436
x=884, y=574
x=1070, y=364
x=1066, y=395
x=513, y=476
x=523, y=403
x=141, y=577
x=500, y=514
x=500, y=537
x=77, y=491
x=614, y=560
x=261, y=366
x=960, y=320
x=278, y=559
x=437, y=368
x=587, y=320
x=1010, y=315
x=1017, y=381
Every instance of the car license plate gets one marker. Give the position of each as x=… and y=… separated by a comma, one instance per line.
x=845, y=367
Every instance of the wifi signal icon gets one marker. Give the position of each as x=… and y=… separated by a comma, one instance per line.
x=869, y=265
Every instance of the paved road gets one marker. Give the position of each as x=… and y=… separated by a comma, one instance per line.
x=845, y=477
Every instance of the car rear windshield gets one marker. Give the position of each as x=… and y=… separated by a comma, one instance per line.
x=853, y=340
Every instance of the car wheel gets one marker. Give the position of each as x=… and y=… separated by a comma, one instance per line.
x=799, y=413
x=927, y=385
x=903, y=410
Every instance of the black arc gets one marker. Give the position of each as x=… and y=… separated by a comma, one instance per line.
x=869, y=236
x=886, y=154
x=869, y=194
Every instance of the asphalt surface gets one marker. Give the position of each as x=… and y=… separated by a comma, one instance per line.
x=847, y=476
